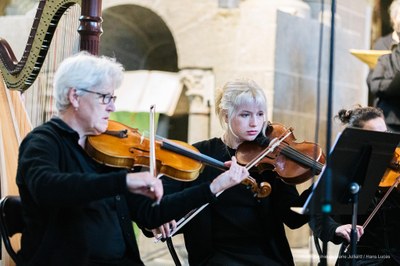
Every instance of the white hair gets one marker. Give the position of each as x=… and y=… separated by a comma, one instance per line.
x=85, y=71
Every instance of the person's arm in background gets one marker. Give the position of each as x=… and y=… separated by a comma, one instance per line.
x=382, y=76
x=386, y=42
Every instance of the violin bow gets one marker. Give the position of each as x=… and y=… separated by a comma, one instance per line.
x=152, y=164
x=152, y=148
x=153, y=172
x=184, y=220
x=271, y=147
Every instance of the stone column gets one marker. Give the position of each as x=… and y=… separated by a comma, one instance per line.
x=198, y=86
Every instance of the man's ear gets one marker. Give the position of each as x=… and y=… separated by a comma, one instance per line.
x=73, y=97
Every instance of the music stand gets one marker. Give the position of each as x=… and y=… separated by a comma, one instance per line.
x=358, y=161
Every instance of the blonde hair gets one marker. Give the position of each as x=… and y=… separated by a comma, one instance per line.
x=236, y=93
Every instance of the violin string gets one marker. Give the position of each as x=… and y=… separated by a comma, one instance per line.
x=256, y=159
x=268, y=150
x=308, y=161
x=298, y=154
x=304, y=158
x=294, y=154
x=271, y=147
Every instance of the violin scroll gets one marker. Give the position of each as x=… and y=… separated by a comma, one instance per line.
x=261, y=190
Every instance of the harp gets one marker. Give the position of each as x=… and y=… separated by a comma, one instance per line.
x=21, y=74
x=18, y=76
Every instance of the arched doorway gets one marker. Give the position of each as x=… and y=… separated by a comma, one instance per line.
x=139, y=39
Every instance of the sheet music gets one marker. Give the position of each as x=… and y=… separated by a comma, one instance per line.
x=356, y=155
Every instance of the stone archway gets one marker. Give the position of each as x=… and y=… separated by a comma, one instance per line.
x=138, y=38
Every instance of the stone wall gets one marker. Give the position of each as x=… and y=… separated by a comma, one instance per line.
x=296, y=69
x=298, y=100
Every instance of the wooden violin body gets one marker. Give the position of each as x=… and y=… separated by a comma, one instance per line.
x=392, y=172
x=124, y=147
x=294, y=162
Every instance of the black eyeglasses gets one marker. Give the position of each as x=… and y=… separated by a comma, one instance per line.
x=105, y=98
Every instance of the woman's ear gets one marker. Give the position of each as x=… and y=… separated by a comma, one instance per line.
x=73, y=98
x=226, y=118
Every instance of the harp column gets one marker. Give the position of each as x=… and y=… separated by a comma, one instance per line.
x=90, y=26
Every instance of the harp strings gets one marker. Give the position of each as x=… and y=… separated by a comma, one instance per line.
x=21, y=112
x=39, y=98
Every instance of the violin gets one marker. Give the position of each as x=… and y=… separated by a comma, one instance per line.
x=392, y=172
x=294, y=162
x=124, y=147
